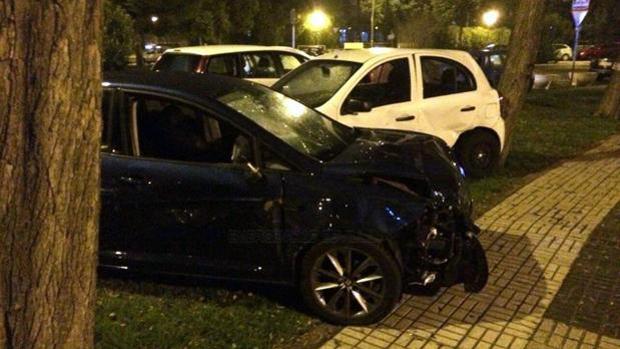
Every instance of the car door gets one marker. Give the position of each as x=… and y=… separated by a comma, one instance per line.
x=112, y=243
x=189, y=207
x=450, y=102
x=387, y=88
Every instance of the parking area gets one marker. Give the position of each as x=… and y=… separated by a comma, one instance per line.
x=536, y=288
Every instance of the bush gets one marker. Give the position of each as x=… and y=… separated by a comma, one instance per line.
x=118, y=37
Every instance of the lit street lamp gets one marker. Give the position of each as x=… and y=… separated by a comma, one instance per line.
x=490, y=17
x=317, y=21
x=154, y=19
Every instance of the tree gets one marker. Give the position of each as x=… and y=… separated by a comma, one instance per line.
x=117, y=36
x=610, y=104
x=522, y=51
x=49, y=171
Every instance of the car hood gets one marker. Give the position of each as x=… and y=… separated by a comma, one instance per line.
x=404, y=157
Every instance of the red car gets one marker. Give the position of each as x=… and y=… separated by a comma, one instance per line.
x=600, y=51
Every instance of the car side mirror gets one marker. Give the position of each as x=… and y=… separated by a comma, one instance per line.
x=354, y=106
x=256, y=175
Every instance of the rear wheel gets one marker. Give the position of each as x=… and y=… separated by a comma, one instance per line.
x=565, y=57
x=478, y=153
x=350, y=282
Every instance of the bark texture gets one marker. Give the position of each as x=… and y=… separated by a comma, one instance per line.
x=522, y=51
x=610, y=104
x=49, y=171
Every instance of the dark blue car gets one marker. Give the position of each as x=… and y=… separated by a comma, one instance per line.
x=218, y=177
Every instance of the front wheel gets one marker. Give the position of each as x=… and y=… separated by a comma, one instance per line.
x=478, y=153
x=350, y=282
x=565, y=57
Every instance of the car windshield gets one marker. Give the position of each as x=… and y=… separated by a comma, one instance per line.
x=177, y=62
x=304, y=129
x=315, y=82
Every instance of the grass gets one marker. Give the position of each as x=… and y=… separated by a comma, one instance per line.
x=554, y=125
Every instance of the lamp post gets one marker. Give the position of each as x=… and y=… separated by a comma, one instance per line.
x=372, y=24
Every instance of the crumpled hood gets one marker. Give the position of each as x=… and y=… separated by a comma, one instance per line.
x=399, y=155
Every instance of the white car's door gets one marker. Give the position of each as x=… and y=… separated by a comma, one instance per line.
x=449, y=102
x=387, y=87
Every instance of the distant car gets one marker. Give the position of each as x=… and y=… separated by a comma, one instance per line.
x=261, y=64
x=313, y=50
x=222, y=178
x=562, y=52
x=609, y=51
x=440, y=92
x=604, y=67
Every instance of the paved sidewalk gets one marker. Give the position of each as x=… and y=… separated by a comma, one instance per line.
x=531, y=239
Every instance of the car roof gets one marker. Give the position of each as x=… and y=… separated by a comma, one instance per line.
x=210, y=50
x=365, y=55
x=189, y=85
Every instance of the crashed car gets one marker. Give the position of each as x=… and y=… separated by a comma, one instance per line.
x=224, y=178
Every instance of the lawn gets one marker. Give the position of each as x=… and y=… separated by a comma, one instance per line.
x=178, y=313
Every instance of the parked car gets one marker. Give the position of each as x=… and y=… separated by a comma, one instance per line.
x=604, y=67
x=262, y=64
x=313, y=50
x=440, y=92
x=562, y=52
x=223, y=178
x=609, y=51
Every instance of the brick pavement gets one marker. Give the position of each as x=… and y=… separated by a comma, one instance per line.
x=531, y=239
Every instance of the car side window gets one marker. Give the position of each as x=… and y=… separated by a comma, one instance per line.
x=444, y=76
x=289, y=61
x=388, y=83
x=170, y=130
x=258, y=65
x=222, y=65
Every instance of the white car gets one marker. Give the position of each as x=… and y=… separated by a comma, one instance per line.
x=440, y=92
x=261, y=64
x=562, y=52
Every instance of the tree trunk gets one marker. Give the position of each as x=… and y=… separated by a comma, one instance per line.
x=610, y=104
x=49, y=171
x=522, y=52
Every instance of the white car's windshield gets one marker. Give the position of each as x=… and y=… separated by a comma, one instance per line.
x=315, y=82
x=304, y=129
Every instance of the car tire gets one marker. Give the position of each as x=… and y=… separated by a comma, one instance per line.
x=565, y=57
x=350, y=281
x=478, y=153
x=476, y=271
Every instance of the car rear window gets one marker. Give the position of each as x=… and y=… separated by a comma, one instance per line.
x=178, y=62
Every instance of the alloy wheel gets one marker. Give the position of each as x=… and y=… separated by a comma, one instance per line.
x=348, y=282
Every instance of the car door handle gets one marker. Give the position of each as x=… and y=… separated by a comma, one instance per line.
x=468, y=108
x=405, y=118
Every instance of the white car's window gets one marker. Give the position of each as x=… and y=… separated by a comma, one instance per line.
x=178, y=62
x=315, y=82
x=388, y=83
x=289, y=62
x=444, y=76
x=222, y=65
x=259, y=65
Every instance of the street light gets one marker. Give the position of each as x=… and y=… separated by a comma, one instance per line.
x=154, y=19
x=317, y=21
x=490, y=17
